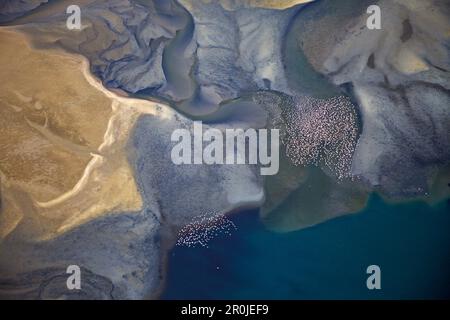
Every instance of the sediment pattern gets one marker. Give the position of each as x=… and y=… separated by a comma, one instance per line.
x=86, y=118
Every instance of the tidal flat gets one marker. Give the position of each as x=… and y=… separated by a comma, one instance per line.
x=87, y=179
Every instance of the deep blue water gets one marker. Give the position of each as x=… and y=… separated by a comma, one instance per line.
x=410, y=242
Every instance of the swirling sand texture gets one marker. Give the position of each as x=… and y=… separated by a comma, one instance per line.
x=87, y=115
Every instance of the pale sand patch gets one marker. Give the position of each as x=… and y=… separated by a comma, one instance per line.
x=269, y=4
x=408, y=62
x=62, y=142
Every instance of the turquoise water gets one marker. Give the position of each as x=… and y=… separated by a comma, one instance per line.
x=410, y=242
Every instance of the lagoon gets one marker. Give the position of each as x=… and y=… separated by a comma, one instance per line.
x=408, y=241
